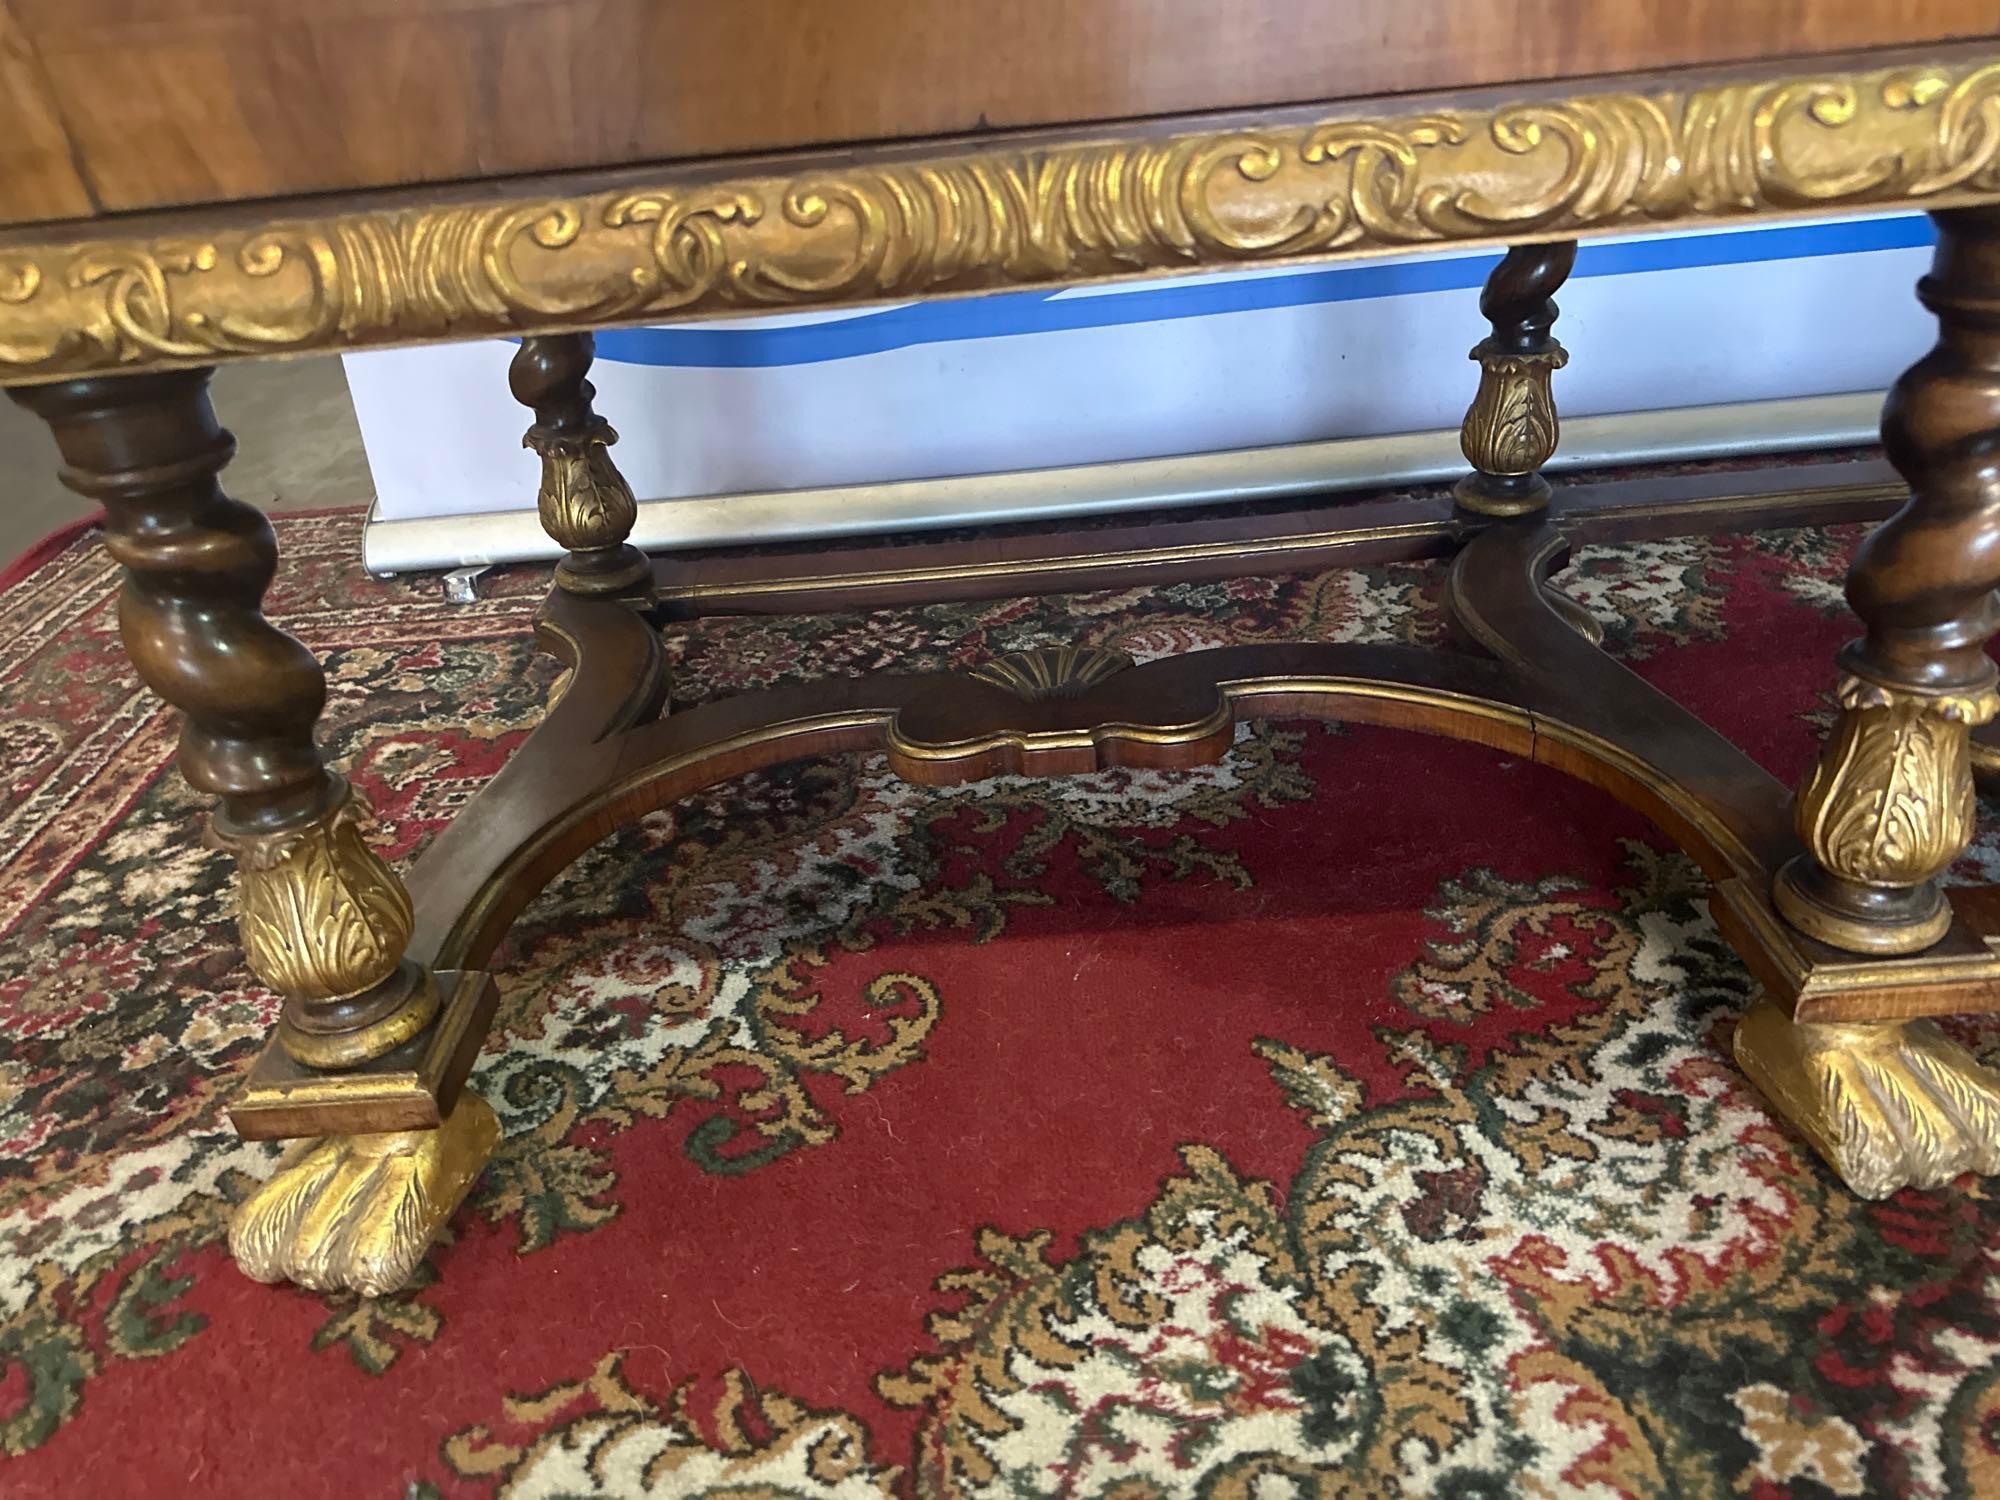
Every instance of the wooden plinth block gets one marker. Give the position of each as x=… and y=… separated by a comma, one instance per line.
x=411, y=1088
x=1812, y=982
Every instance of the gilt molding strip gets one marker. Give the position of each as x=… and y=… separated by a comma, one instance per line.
x=683, y=242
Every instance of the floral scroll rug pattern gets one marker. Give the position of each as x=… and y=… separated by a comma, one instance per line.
x=1352, y=1117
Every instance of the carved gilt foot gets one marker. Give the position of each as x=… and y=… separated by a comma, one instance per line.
x=1889, y=1104
x=356, y=1213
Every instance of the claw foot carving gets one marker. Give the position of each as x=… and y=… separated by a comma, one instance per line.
x=1889, y=1104
x=357, y=1212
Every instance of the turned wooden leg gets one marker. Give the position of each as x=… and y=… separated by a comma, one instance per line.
x=324, y=921
x=1510, y=430
x=584, y=501
x=1889, y=805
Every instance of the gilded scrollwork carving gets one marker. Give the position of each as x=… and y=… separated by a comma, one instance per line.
x=322, y=917
x=973, y=217
x=1890, y=801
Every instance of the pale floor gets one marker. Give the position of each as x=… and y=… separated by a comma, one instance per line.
x=297, y=447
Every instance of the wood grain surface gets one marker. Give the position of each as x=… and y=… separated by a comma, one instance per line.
x=38, y=180
x=108, y=105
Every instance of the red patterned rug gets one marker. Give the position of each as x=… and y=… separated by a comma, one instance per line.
x=1354, y=1116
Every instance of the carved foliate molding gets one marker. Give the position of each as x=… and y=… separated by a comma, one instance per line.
x=1890, y=801
x=1010, y=214
x=321, y=916
x=584, y=501
x=1511, y=426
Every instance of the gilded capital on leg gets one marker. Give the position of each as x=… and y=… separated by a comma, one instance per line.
x=322, y=916
x=584, y=502
x=1511, y=428
x=326, y=922
x=1889, y=805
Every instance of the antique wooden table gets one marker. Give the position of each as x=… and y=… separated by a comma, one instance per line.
x=186, y=184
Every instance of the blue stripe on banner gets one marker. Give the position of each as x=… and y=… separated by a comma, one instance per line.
x=1009, y=314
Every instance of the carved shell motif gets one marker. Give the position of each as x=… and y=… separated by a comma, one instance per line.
x=1051, y=671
